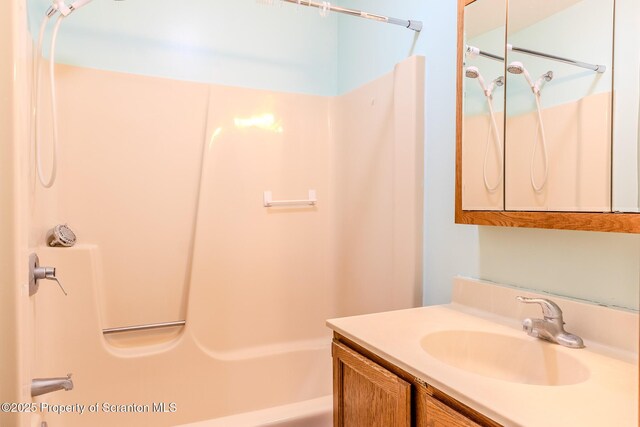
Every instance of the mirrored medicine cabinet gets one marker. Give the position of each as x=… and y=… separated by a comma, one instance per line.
x=548, y=107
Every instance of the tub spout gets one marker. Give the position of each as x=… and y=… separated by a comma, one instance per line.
x=47, y=385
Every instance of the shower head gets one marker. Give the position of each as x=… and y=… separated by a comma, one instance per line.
x=61, y=235
x=472, y=72
x=517, y=67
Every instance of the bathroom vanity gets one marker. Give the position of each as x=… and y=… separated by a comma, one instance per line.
x=380, y=393
x=469, y=363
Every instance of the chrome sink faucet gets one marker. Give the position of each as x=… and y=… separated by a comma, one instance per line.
x=551, y=328
x=47, y=385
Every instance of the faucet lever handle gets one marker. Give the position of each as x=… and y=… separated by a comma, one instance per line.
x=47, y=273
x=61, y=287
x=550, y=309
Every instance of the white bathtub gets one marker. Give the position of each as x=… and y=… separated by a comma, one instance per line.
x=281, y=384
x=309, y=413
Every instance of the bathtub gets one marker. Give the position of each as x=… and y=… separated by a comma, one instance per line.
x=130, y=376
x=310, y=413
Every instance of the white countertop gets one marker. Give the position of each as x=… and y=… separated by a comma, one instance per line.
x=608, y=397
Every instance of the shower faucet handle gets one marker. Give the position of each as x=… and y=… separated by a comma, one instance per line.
x=37, y=273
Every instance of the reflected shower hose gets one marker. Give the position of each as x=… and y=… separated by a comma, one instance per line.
x=539, y=131
x=516, y=67
x=473, y=72
x=493, y=128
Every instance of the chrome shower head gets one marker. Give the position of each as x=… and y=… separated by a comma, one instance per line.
x=61, y=235
x=472, y=72
x=515, y=67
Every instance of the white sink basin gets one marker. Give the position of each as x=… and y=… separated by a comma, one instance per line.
x=519, y=360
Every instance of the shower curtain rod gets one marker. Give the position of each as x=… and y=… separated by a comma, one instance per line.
x=472, y=50
x=407, y=23
x=594, y=67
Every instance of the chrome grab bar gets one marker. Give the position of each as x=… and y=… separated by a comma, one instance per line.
x=143, y=327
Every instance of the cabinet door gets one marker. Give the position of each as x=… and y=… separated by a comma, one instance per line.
x=440, y=415
x=367, y=395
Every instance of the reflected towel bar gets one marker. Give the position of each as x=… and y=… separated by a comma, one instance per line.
x=143, y=327
x=269, y=202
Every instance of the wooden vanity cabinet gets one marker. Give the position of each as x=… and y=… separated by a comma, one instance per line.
x=366, y=394
x=368, y=391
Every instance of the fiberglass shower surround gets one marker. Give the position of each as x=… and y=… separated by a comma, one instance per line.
x=243, y=283
x=262, y=279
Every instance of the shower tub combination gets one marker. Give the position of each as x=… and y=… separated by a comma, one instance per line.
x=171, y=226
x=164, y=183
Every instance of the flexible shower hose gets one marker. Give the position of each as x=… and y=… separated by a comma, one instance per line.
x=46, y=183
x=493, y=128
x=539, y=131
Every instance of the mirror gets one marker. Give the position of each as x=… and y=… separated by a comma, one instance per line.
x=558, y=103
x=565, y=138
x=626, y=108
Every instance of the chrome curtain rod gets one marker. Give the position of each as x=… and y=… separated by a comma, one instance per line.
x=472, y=50
x=593, y=67
x=412, y=25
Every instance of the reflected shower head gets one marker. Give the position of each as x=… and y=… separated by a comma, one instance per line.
x=472, y=72
x=516, y=67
